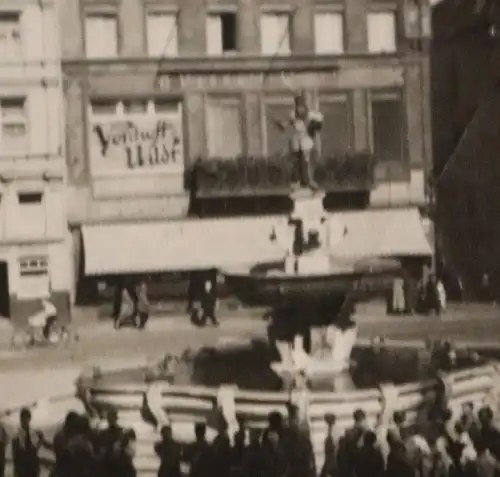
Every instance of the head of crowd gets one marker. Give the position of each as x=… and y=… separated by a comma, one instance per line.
x=464, y=445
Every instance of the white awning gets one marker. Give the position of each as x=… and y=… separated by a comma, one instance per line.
x=177, y=245
x=237, y=242
x=382, y=233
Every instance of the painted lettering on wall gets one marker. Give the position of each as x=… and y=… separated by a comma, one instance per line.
x=135, y=144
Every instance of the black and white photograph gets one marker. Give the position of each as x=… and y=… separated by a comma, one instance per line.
x=249, y=238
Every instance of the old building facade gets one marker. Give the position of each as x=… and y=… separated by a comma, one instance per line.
x=155, y=87
x=34, y=237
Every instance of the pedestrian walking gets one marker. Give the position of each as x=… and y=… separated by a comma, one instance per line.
x=209, y=304
x=143, y=306
x=127, y=308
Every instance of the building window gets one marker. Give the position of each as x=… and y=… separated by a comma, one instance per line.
x=221, y=33
x=387, y=127
x=162, y=34
x=14, y=128
x=275, y=33
x=381, y=28
x=224, y=128
x=329, y=33
x=335, y=136
x=101, y=35
x=30, y=220
x=10, y=35
x=277, y=141
x=34, y=277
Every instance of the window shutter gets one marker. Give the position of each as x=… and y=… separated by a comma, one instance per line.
x=283, y=34
x=214, y=35
x=268, y=34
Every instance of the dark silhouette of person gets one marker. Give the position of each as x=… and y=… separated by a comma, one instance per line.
x=370, y=461
x=252, y=465
x=199, y=453
x=169, y=454
x=26, y=446
x=329, y=468
x=109, y=442
x=209, y=304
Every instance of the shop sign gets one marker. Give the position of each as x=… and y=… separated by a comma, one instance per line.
x=136, y=144
x=247, y=80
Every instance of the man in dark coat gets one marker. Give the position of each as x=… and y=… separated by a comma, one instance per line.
x=169, y=453
x=26, y=446
x=109, y=442
x=209, y=304
x=199, y=453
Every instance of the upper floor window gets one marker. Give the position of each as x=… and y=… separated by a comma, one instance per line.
x=162, y=34
x=14, y=127
x=275, y=33
x=101, y=35
x=329, y=33
x=387, y=126
x=10, y=36
x=381, y=27
x=221, y=33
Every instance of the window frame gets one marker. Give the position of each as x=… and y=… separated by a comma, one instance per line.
x=20, y=120
x=229, y=99
x=102, y=11
x=41, y=271
x=17, y=14
x=337, y=96
x=393, y=9
x=218, y=11
x=336, y=9
x=272, y=98
x=277, y=10
x=391, y=94
x=152, y=8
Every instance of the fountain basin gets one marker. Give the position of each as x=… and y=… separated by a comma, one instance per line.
x=137, y=400
x=268, y=284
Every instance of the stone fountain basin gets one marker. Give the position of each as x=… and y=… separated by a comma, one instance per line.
x=189, y=399
x=267, y=284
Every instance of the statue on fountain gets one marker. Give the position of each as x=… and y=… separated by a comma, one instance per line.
x=305, y=125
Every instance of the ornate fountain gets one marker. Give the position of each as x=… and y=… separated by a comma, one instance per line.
x=311, y=292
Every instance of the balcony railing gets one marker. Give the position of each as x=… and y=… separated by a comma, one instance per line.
x=274, y=175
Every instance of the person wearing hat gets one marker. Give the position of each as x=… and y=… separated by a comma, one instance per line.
x=305, y=125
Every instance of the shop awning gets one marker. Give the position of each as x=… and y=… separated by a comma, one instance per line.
x=382, y=233
x=177, y=245
x=237, y=242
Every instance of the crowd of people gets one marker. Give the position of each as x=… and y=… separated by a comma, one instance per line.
x=465, y=447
